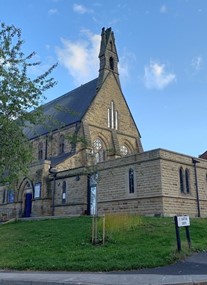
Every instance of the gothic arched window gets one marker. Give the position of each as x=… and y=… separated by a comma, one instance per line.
x=64, y=192
x=4, y=197
x=113, y=117
x=40, y=151
x=124, y=150
x=131, y=181
x=98, y=150
x=181, y=174
x=111, y=63
x=61, y=144
x=187, y=180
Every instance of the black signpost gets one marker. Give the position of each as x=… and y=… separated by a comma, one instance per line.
x=182, y=221
x=177, y=233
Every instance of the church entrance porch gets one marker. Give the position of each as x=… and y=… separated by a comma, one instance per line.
x=25, y=197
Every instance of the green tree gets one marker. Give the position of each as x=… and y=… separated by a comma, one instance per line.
x=20, y=99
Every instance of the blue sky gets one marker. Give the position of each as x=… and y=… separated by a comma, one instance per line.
x=162, y=47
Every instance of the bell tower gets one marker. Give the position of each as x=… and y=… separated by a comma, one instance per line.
x=108, y=56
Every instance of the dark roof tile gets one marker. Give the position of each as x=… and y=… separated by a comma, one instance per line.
x=65, y=110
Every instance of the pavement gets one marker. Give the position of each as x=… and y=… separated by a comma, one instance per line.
x=190, y=271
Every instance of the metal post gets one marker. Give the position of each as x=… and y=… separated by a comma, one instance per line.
x=177, y=233
x=53, y=171
x=53, y=195
x=196, y=184
x=188, y=236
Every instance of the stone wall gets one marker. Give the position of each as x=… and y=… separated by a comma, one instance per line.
x=175, y=202
x=97, y=115
x=113, y=185
x=156, y=187
x=73, y=143
x=74, y=202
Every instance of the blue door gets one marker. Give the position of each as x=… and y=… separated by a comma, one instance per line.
x=28, y=205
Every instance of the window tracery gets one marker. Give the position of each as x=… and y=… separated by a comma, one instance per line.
x=113, y=117
x=98, y=149
x=184, y=176
x=124, y=150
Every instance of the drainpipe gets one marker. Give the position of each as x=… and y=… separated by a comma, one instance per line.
x=196, y=184
x=53, y=171
x=46, y=147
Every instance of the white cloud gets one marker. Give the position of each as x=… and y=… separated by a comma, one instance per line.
x=163, y=9
x=156, y=76
x=123, y=67
x=47, y=46
x=81, y=9
x=126, y=61
x=197, y=63
x=53, y=12
x=80, y=58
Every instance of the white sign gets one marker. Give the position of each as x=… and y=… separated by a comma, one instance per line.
x=37, y=190
x=183, y=221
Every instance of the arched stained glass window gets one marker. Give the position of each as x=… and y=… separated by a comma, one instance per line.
x=124, y=150
x=131, y=181
x=97, y=145
x=98, y=150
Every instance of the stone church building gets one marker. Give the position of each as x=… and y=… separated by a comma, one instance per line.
x=89, y=159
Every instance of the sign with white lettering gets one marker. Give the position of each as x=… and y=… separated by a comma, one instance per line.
x=183, y=221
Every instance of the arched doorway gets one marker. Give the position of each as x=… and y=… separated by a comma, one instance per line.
x=25, y=197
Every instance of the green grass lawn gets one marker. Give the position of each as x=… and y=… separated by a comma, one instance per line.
x=65, y=244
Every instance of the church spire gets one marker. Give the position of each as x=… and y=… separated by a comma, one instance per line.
x=108, y=56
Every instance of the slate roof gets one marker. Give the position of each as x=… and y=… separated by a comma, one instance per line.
x=55, y=160
x=65, y=110
x=203, y=155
